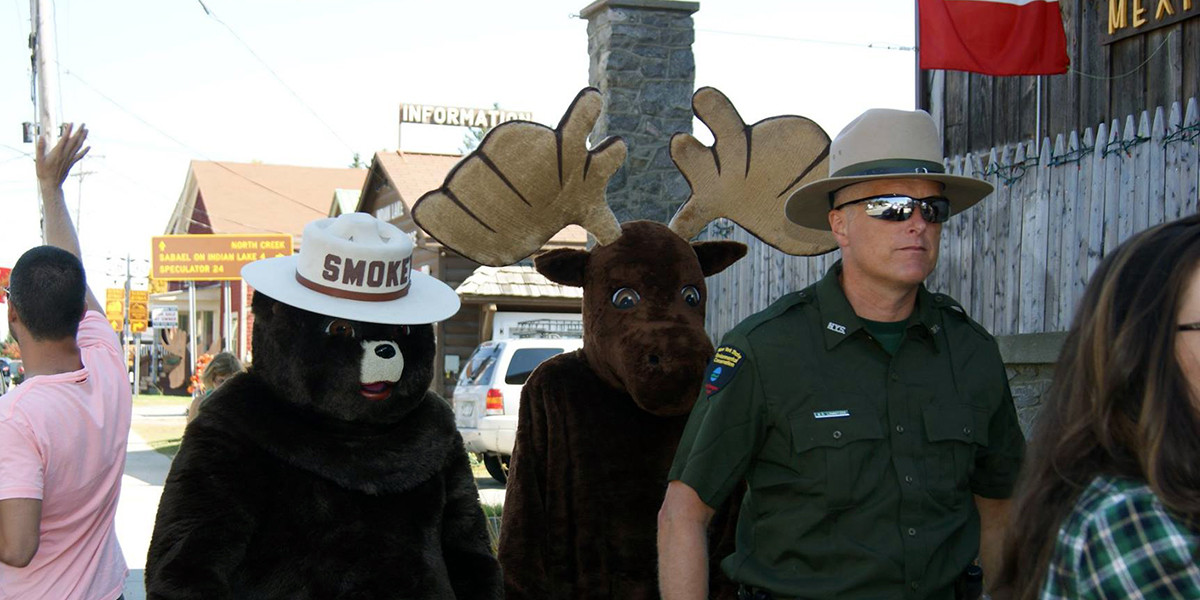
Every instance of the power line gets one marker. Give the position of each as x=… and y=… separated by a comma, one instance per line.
x=872, y=45
x=185, y=146
x=17, y=150
x=1135, y=69
x=147, y=188
x=275, y=75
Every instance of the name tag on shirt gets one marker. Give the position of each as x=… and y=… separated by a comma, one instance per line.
x=831, y=414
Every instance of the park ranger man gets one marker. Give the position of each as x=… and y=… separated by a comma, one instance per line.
x=870, y=418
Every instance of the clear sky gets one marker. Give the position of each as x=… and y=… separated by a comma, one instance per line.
x=162, y=83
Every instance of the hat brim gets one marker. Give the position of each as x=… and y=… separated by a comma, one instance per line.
x=809, y=205
x=427, y=301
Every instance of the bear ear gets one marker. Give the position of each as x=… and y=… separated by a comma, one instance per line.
x=263, y=306
x=563, y=266
x=716, y=256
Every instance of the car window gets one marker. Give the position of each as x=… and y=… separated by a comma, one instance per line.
x=524, y=361
x=481, y=365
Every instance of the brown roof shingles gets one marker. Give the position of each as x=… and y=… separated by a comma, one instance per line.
x=413, y=174
x=514, y=281
x=259, y=198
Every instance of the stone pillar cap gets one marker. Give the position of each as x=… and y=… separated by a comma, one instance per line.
x=667, y=5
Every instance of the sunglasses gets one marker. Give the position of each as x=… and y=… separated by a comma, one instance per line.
x=895, y=207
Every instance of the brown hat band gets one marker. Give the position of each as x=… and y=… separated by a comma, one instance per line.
x=349, y=295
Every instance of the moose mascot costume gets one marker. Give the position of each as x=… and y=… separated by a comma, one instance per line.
x=329, y=470
x=597, y=428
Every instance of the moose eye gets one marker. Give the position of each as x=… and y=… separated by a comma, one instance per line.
x=340, y=327
x=626, y=298
x=691, y=295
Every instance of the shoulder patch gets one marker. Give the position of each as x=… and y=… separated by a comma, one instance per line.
x=720, y=371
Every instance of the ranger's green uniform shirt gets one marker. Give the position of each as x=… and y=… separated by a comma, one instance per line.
x=860, y=465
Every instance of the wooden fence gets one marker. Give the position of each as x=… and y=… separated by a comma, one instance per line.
x=1019, y=260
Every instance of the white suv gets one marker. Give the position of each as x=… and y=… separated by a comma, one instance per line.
x=489, y=392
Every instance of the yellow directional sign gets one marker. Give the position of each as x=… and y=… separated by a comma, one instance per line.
x=212, y=257
x=114, y=308
x=139, y=312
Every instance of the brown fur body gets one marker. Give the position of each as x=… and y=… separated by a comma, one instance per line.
x=598, y=428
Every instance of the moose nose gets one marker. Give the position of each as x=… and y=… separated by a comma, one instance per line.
x=654, y=360
x=385, y=351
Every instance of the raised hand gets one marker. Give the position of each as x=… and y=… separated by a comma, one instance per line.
x=749, y=173
x=52, y=168
x=523, y=184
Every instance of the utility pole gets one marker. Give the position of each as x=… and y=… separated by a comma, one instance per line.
x=45, y=73
x=79, y=199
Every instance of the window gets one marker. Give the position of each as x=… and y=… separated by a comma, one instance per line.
x=524, y=361
x=481, y=365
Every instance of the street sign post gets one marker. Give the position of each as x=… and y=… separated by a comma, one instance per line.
x=205, y=257
x=164, y=316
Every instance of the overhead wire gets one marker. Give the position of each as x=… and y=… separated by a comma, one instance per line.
x=872, y=45
x=275, y=75
x=148, y=189
x=185, y=146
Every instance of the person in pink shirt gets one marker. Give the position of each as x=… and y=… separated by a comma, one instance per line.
x=63, y=431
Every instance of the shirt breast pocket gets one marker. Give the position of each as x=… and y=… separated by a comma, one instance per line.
x=841, y=452
x=954, y=435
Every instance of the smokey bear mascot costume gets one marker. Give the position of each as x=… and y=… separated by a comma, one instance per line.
x=328, y=470
x=598, y=428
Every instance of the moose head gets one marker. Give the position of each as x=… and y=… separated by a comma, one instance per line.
x=644, y=287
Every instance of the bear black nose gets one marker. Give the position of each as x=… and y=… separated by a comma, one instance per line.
x=385, y=351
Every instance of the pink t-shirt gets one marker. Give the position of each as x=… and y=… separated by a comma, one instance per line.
x=62, y=440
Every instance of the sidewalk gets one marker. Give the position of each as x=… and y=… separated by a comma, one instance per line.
x=141, y=488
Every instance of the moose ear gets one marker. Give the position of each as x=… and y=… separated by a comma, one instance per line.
x=564, y=266
x=716, y=256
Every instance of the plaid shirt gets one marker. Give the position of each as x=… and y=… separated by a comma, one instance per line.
x=1120, y=542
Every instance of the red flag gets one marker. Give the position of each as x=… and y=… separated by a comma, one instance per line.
x=993, y=37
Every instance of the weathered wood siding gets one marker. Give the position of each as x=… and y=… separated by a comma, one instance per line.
x=1019, y=260
x=1157, y=68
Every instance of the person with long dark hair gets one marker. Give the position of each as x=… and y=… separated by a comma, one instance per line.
x=1108, y=505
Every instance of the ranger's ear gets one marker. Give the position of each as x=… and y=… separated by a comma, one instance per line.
x=564, y=266
x=716, y=256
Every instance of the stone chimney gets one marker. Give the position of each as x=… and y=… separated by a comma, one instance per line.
x=642, y=63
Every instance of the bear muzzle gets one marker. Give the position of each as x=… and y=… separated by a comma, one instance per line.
x=382, y=367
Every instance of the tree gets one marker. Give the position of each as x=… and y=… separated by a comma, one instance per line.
x=474, y=135
x=10, y=349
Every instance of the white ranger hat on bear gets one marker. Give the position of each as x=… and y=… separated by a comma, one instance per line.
x=355, y=267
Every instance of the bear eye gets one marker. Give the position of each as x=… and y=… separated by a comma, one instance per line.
x=340, y=327
x=691, y=295
x=626, y=298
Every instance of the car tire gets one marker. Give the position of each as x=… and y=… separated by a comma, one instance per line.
x=497, y=467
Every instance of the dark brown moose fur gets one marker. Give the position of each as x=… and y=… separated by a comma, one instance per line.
x=598, y=428
x=290, y=485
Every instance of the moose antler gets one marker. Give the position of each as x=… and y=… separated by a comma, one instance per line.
x=749, y=173
x=522, y=185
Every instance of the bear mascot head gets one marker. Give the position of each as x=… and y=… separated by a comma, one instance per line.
x=329, y=470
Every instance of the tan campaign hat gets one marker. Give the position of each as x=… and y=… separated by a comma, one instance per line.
x=355, y=267
x=883, y=143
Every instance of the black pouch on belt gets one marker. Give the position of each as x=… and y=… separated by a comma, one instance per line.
x=970, y=584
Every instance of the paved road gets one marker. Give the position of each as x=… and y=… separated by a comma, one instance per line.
x=141, y=487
